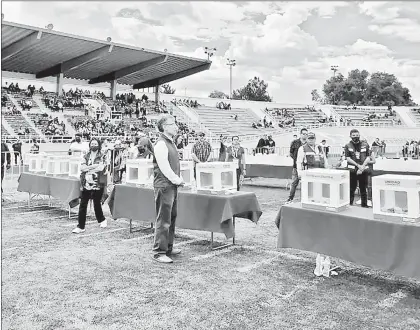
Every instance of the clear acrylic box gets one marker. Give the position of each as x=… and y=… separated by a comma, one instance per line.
x=396, y=197
x=187, y=171
x=325, y=189
x=139, y=171
x=58, y=165
x=37, y=162
x=216, y=176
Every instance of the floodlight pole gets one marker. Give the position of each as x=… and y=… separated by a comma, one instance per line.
x=231, y=64
x=334, y=69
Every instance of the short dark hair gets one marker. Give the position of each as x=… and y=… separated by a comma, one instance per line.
x=162, y=121
x=354, y=130
x=235, y=136
x=303, y=129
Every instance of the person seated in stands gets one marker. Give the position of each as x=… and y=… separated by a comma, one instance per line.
x=236, y=117
x=260, y=124
x=21, y=131
x=254, y=125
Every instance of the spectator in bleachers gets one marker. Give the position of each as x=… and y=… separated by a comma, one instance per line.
x=144, y=148
x=383, y=148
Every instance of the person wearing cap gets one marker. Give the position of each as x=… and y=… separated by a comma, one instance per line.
x=143, y=149
x=201, y=150
x=310, y=155
x=166, y=167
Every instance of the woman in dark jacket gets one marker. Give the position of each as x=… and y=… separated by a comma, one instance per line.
x=93, y=183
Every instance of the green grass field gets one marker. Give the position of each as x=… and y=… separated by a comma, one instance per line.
x=105, y=279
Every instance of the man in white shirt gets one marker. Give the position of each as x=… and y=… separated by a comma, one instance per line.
x=77, y=146
x=166, y=182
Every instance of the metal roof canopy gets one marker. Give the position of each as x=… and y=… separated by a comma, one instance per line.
x=44, y=53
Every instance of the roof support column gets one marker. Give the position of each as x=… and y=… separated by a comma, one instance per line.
x=157, y=97
x=59, y=85
x=113, y=90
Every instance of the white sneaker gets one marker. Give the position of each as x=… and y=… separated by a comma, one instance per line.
x=103, y=224
x=77, y=230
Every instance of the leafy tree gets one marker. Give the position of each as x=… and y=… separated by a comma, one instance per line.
x=255, y=90
x=380, y=89
x=315, y=96
x=218, y=95
x=167, y=89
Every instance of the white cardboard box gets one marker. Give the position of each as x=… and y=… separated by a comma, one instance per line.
x=325, y=189
x=187, y=171
x=37, y=162
x=74, y=166
x=396, y=197
x=216, y=176
x=139, y=171
x=58, y=165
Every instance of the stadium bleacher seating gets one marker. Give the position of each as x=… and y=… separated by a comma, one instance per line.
x=415, y=114
x=222, y=122
x=358, y=115
x=16, y=121
x=4, y=132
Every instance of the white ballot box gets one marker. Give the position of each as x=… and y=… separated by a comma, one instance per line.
x=58, y=165
x=187, y=171
x=216, y=176
x=75, y=162
x=325, y=189
x=396, y=197
x=37, y=162
x=139, y=171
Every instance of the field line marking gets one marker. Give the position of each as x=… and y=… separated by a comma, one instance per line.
x=248, y=268
x=75, y=224
x=22, y=206
x=139, y=237
x=11, y=249
x=213, y=253
x=188, y=242
x=102, y=232
x=392, y=300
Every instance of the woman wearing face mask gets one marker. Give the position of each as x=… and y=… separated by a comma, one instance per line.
x=179, y=143
x=236, y=153
x=93, y=182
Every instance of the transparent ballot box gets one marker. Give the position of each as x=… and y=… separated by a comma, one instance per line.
x=396, y=197
x=74, y=166
x=325, y=189
x=58, y=165
x=37, y=162
x=216, y=176
x=187, y=171
x=139, y=171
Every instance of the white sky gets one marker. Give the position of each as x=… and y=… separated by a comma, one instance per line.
x=291, y=45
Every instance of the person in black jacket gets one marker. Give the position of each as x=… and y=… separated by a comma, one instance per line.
x=358, y=155
x=5, y=157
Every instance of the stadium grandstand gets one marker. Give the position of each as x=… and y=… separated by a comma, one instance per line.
x=101, y=88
